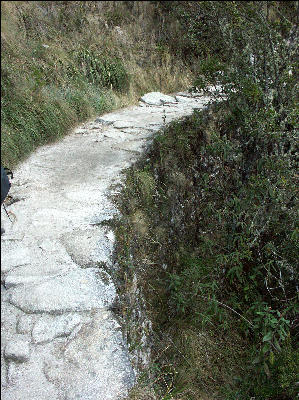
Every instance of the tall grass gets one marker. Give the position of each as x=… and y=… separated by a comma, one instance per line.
x=65, y=62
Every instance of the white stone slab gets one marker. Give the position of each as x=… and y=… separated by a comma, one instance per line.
x=13, y=254
x=92, y=363
x=77, y=290
x=87, y=247
x=36, y=273
x=49, y=327
x=157, y=98
x=18, y=349
x=25, y=323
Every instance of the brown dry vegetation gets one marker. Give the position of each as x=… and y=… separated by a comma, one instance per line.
x=45, y=89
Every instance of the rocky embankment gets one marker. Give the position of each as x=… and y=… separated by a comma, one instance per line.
x=60, y=337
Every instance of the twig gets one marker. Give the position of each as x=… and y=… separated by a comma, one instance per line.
x=226, y=306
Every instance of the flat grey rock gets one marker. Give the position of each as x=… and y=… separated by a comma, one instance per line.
x=81, y=131
x=12, y=236
x=18, y=349
x=9, y=317
x=49, y=327
x=36, y=273
x=185, y=99
x=25, y=323
x=77, y=290
x=27, y=380
x=134, y=131
x=124, y=124
x=184, y=94
x=104, y=121
x=48, y=245
x=3, y=372
x=105, y=214
x=13, y=255
x=93, y=362
x=88, y=247
x=157, y=98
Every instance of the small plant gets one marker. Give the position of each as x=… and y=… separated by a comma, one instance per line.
x=103, y=70
x=224, y=199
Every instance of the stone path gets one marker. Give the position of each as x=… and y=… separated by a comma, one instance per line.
x=59, y=337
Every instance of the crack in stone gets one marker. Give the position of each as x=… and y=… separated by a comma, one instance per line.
x=64, y=339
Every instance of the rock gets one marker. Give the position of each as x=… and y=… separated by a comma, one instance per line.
x=185, y=99
x=184, y=94
x=9, y=318
x=48, y=245
x=27, y=380
x=25, y=323
x=133, y=131
x=49, y=327
x=18, y=236
x=77, y=290
x=93, y=362
x=89, y=247
x=36, y=273
x=124, y=124
x=83, y=196
x=104, y=121
x=18, y=349
x=4, y=297
x=3, y=372
x=157, y=98
x=80, y=131
x=13, y=255
x=105, y=214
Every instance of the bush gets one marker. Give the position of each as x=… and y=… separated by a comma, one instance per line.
x=103, y=70
x=225, y=202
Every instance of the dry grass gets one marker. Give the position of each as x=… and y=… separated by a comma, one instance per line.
x=38, y=41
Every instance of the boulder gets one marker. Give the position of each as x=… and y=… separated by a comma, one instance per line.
x=157, y=99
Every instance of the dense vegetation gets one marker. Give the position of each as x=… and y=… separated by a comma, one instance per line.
x=209, y=234
x=63, y=62
x=210, y=226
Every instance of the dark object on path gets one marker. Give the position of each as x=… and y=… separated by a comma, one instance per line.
x=5, y=183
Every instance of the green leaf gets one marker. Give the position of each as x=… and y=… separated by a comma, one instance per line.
x=277, y=345
x=267, y=370
x=266, y=348
x=268, y=337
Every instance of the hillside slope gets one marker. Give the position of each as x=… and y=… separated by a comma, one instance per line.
x=66, y=61
x=208, y=242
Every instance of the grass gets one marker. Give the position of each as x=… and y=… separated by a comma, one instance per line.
x=184, y=263
x=64, y=63
x=205, y=332
x=188, y=361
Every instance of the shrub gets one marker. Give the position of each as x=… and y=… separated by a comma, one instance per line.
x=225, y=198
x=103, y=70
